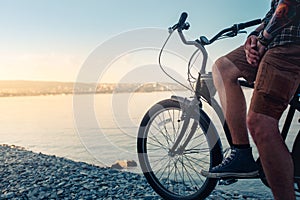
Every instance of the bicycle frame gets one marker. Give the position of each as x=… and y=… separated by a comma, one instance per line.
x=207, y=92
x=294, y=105
x=201, y=90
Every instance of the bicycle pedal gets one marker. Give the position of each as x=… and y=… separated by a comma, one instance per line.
x=227, y=181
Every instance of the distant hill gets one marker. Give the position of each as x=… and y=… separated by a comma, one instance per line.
x=35, y=88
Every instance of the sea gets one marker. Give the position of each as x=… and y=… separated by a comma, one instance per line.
x=99, y=129
x=58, y=125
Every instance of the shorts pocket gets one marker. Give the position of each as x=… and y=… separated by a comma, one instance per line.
x=275, y=84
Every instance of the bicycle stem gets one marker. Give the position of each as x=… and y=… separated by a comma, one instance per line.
x=197, y=44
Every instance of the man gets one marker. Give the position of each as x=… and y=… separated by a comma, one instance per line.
x=271, y=58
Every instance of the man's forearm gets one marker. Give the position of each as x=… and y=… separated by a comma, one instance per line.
x=284, y=14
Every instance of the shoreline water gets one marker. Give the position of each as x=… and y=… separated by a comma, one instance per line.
x=46, y=124
x=29, y=175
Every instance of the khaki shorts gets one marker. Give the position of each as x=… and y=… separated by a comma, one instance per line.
x=276, y=79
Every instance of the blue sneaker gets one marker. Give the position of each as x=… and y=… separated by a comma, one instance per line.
x=239, y=164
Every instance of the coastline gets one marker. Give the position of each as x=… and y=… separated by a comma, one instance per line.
x=22, y=88
x=29, y=175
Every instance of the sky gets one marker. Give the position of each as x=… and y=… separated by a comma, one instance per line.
x=50, y=40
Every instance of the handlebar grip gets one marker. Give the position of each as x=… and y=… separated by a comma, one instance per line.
x=248, y=24
x=182, y=19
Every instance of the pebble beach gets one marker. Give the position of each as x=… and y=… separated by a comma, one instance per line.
x=28, y=175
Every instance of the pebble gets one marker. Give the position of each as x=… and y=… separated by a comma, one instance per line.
x=28, y=175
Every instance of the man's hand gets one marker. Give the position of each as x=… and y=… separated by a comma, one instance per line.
x=254, y=50
x=252, y=54
x=261, y=49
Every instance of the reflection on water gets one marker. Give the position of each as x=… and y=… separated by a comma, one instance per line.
x=46, y=124
x=42, y=124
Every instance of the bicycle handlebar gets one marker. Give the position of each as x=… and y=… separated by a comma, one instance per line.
x=228, y=32
x=249, y=24
x=231, y=32
x=181, y=22
x=182, y=19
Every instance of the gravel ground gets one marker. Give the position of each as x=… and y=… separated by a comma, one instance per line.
x=28, y=175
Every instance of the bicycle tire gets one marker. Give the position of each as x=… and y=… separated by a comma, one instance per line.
x=163, y=122
x=296, y=160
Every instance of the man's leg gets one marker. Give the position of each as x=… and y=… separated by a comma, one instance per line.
x=232, y=99
x=274, y=155
x=277, y=79
x=240, y=162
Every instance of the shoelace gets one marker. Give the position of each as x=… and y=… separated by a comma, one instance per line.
x=228, y=159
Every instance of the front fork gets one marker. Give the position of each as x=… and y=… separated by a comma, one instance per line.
x=190, y=110
x=205, y=89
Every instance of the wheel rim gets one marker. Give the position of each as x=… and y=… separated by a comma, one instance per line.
x=176, y=172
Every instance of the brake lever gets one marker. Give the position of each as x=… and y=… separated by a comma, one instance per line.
x=241, y=32
x=174, y=27
x=171, y=30
x=185, y=26
x=232, y=33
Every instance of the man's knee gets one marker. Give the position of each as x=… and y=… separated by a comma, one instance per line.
x=254, y=127
x=219, y=67
x=219, y=72
x=261, y=127
x=225, y=71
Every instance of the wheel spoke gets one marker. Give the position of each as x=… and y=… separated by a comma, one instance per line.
x=177, y=172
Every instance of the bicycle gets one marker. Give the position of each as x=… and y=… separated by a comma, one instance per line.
x=177, y=138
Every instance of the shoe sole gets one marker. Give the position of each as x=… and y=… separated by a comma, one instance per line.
x=230, y=174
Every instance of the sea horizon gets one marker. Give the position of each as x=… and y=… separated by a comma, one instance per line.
x=11, y=88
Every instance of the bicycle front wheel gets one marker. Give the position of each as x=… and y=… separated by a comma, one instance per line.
x=177, y=175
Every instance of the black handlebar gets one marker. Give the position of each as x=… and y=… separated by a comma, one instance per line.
x=182, y=19
x=248, y=24
x=181, y=22
x=230, y=32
